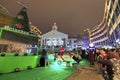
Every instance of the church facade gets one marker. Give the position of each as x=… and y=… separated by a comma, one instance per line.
x=54, y=39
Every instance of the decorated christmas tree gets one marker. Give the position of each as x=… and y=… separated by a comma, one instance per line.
x=21, y=20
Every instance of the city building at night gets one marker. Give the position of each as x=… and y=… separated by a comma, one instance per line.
x=107, y=33
x=73, y=42
x=54, y=39
x=86, y=40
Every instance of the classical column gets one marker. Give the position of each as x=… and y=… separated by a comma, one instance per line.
x=66, y=42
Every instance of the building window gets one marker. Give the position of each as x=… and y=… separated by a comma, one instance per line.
x=119, y=2
x=113, y=1
x=110, y=9
x=108, y=18
x=116, y=32
x=110, y=26
x=117, y=11
x=108, y=2
x=113, y=19
x=112, y=37
x=119, y=30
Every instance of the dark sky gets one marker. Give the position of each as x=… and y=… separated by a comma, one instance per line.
x=71, y=16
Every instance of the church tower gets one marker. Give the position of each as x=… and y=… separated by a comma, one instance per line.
x=54, y=27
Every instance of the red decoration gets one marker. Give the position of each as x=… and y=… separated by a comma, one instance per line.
x=62, y=49
x=19, y=26
x=61, y=53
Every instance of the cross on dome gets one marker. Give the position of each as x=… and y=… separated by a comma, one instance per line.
x=54, y=27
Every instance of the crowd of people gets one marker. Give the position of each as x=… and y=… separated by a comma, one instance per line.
x=104, y=58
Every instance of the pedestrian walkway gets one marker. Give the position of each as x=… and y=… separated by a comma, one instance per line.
x=85, y=73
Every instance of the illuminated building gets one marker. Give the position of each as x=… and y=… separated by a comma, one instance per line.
x=71, y=44
x=107, y=33
x=54, y=38
x=86, y=40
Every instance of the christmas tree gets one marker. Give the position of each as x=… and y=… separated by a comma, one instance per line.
x=21, y=21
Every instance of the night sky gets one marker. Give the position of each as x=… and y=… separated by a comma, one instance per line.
x=71, y=16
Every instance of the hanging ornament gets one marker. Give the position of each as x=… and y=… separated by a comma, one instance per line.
x=20, y=17
x=19, y=26
x=24, y=10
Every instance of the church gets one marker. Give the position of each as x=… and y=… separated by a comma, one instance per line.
x=54, y=39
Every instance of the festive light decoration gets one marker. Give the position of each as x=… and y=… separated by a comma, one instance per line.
x=54, y=41
x=21, y=21
x=19, y=26
x=34, y=29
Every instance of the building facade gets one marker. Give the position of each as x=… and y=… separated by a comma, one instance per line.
x=54, y=39
x=107, y=33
